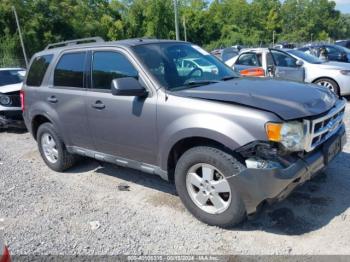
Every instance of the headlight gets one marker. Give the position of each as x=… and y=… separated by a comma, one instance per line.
x=345, y=72
x=5, y=100
x=290, y=134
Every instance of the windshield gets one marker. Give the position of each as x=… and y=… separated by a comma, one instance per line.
x=9, y=77
x=181, y=65
x=308, y=58
x=342, y=48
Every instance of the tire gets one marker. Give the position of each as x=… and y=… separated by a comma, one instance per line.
x=330, y=84
x=64, y=159
x=233, y=212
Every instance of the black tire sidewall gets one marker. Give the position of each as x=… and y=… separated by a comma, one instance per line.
x=235, y=213
x=49, y=128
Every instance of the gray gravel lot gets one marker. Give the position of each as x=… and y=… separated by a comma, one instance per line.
x=83, y=212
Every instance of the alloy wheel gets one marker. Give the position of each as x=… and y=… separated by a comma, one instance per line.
x=208, y=188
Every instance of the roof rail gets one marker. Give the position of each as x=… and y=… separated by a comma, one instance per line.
x=75, y=42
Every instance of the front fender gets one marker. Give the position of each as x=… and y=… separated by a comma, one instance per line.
x=205, y=125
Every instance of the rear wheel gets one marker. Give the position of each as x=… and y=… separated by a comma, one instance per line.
x=201, y=182
x=330, y=84
x=53, y=150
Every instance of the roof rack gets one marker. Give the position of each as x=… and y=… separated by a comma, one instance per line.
x=75, y=42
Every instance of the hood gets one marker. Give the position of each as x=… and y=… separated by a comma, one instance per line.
x=288, y=100
x=10, y=88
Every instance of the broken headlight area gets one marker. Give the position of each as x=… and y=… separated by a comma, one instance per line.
x=261, y=154
x=10, y=99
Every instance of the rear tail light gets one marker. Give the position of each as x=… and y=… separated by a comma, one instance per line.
x=253, y=72
x=21, y=94
x=5, y=255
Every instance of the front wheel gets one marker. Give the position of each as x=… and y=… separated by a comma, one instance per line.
x=330, y=84
x=201, y=182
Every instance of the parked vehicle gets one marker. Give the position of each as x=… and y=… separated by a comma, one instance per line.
x=333, y=75
x=10, y=105
x=266, y=62
x=328, y=52
x=255, y=62
x=344, y=43
x=4, y=252
x=225, y=53
x=228, y=143
x=186, y=65
x=284, y=45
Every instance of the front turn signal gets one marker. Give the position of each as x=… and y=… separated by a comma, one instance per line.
x=273, y=131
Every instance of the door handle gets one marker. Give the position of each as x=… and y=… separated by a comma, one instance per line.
x=98, y=105
x=52, y=99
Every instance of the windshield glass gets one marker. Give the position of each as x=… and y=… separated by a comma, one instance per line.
x=308, y=58
x=9, y=77
x=342, y=48
x=180, y=65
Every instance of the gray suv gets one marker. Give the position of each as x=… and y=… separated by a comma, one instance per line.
x=229, y=144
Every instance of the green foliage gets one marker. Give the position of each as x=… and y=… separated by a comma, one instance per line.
x=209, y=23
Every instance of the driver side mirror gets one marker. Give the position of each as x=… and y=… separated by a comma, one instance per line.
x=127, y=86
x=299, y=63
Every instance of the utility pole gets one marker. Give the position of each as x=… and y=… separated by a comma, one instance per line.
x=311, y=37
x=176, y=21
x=185, y=31
x=273, y=38
x=20, y=36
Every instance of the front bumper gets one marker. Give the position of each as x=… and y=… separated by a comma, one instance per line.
x=274, y=184
x=11, y=117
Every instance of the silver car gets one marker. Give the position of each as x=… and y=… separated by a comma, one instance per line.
x=333, y=75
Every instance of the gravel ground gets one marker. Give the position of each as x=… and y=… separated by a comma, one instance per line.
x=83, y=212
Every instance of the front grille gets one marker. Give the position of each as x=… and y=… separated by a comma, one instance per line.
x=321, y=129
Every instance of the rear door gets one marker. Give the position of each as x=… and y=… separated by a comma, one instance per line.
x=285, y=66
x=65, y=97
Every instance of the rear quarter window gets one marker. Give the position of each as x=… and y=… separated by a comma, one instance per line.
x=38, y=69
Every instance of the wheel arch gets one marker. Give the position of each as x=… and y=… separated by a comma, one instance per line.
x=185, y=143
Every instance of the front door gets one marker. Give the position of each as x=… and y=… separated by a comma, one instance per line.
x=123, y=126
x=284, y=66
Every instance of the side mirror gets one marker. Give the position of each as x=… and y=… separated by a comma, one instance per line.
x=127, y=86
x=299, y=63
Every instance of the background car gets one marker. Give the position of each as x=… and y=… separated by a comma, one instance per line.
x=186, y=65
x=333, y=75
x=266, y=62
x=10, y=103
x=344, y=43
x=331, y=53
x=225, y=53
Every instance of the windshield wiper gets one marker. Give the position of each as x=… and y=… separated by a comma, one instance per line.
x=225, y=78
x=201, y=82
x=195, y=83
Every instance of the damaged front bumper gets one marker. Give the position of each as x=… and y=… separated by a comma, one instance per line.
x=259, y=185
x=11, y=117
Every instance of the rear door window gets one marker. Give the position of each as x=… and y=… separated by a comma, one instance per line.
x=38, y=69
x=69, y=71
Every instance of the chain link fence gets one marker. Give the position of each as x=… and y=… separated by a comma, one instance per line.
x=10, y=56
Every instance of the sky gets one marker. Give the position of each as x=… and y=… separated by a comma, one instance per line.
x=343, y=6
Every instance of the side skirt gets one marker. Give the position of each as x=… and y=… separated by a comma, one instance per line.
x=124, y=162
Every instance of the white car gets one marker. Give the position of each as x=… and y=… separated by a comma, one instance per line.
x=187, y=65
x=10, y=103
x=333, y=75
x=294, y=65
